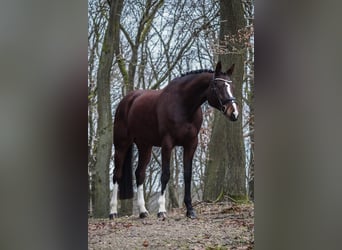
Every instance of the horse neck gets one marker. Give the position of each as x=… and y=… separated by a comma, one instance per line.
x=195, y=91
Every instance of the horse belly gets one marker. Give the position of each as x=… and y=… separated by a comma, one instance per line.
x=146, y=133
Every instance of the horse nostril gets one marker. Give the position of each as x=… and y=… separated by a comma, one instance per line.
x=233, y=117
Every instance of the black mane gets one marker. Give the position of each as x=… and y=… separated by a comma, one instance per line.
x=197, y=72
x=179, y=80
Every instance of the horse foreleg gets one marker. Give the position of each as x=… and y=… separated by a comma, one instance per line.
x=165, y=177
x=187, y=158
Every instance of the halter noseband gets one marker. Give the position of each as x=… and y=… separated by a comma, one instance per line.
x=231, y=99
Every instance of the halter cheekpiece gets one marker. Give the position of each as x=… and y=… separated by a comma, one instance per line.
x=231, y=99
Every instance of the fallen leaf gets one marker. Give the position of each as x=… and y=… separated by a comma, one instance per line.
x=145, y=244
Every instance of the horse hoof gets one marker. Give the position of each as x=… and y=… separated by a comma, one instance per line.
x=191, y=214
x=112, y=216
x=143, y=215
x=162, y=215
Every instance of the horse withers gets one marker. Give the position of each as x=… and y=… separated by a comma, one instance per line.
x=166, y=118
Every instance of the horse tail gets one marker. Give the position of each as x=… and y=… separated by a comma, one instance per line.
x=126, y=180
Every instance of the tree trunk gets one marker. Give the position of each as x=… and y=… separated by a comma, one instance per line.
x=251, y=171
x=126, y=207
x=225, y=172
x=251, y=128
x=105, y=129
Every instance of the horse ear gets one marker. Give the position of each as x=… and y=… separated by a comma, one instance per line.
x=230, y=70
x=218, y=67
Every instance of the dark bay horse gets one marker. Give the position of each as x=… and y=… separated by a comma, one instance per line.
x=166, y=118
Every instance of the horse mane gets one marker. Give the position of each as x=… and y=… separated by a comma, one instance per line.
x=197, y=72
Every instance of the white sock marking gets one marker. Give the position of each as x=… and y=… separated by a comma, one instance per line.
x=114, y=200
x=140, y=200
x=161, y=202
x=236, y=112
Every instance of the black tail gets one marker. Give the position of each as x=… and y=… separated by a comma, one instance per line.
x=126, y=181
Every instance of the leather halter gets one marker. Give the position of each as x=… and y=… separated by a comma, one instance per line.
x=231, y=99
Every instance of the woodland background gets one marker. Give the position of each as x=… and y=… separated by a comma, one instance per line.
x=143, y=44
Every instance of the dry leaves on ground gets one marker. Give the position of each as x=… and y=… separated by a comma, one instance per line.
x=222, y=225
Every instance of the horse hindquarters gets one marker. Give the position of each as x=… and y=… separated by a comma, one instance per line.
x=122, y=177
x=123, y=145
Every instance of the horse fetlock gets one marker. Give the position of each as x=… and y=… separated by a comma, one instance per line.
x=113, y=215
x=191, y=214
x=161, y=215
x=143, y=215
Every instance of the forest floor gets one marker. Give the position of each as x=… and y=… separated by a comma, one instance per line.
x=222, y=225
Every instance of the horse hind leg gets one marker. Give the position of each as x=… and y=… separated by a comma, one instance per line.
x=117, y=173
x=114, y=202
x=140, y=174
x=121, y=156
x=119, y=159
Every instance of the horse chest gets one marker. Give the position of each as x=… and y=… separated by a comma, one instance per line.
x=182, y=132
x=187, y=131
x=180, y=126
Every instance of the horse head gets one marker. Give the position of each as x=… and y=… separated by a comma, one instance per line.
x=221, y=94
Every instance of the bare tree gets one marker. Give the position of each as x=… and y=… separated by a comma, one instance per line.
x=97, y=20
x=104, y=125
x=156, y=36
x=226, y=172
x=156, y=41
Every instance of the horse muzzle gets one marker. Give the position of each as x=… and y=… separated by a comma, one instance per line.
x=233, y=118
x=230, y=112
